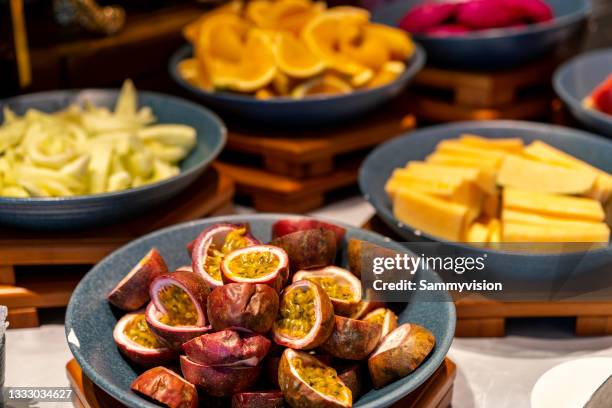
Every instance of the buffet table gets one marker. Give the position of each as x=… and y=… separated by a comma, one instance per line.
x=37, y=357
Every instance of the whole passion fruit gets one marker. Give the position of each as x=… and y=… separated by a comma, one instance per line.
x=352, y=339
x=212, y=245
x=258, y=399
x=166, y=387
x=247, y=305
x=342, y=287
x=132, y=292
x=400, y=353
x=168, y=333
x=219, y=381
x=290, y=225
x=228, y=348
x=306, y=316
x=385, y=317
x=138, y=344
x=264, y=264
x=306, y=382
x=308, y=249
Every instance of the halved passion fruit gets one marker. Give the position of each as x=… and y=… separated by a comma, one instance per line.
x=166, y=387
x=247, y=305
x=385, y=317
x=400, y=353
x=263, y=264
x=133, y=291
x=170, y=334
x=138, y=344
x=258, y=399
x=352, y=339
x=308, y=249
x=306, y=316
x=211, y=247
x=228, y=348
x=306, y=382
x=353, y=376
x=181, y=298
x=342, y=287
x=290, y=225
x=219, y=381
x=366, y=306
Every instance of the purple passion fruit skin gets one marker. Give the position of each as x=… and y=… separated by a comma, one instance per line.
x=213, y=244
x=362, y=254
x=342, y=287
x=184, y=268
x=306, y=382
x=306, y=316
x=400, y=353
x=172, y=337
x=352, y=339
x=258, y=399
x=308, y=249
x=181, y=298
x=384, y=317
x=166, y=387
x=263, y=264
x=228, y=348
x=219, y=381
x=132, y=292
x=290, y=225
x=138, y=344
x=247, y=305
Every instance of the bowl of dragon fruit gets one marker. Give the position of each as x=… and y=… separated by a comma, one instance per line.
x=487, y=34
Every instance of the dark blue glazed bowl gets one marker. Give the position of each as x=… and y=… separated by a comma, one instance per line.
x=498, y=48
x=503, y=265
x=577, y=78
x=90, y=320
x=311, y=111
x=102, y=209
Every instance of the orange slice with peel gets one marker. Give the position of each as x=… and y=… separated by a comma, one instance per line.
x=191, y=30
x=258, y=12
x=397, y=41
x=388, y=73
x=324, y=85
x=295, y=59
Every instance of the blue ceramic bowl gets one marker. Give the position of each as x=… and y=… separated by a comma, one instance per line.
x=498, y=48
x=577, y=78
x=103, y=209
x=312, y=111
x=90, y=320
x=501, y=265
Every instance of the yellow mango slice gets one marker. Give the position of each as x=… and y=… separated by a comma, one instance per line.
x=510, y=145
x=430, y=214
x=463, y=161
x=455, y=147
x=483, y=179
x=520, y=232
x=553, y=204
x=477, y=233
x=402, y=178
x=494, y=231
x=538, y=219
x=531, y=175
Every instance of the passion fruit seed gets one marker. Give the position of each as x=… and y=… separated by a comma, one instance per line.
x=332, y=287
x=138, y=331
x=323, y=379
x=235, y=239
x=180, y=310
x=254, y=264
x=297, y=312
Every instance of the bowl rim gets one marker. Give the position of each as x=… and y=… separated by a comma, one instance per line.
x=575, y=103
x=413, y=65
x=72, y=93
x=434, y=360
x=389, y=219
x=512, y=32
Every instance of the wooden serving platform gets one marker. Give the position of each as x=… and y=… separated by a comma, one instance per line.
x=482, y=317
x=292, y=171
x=41, y=269
x=436, y=392
x=443, y=95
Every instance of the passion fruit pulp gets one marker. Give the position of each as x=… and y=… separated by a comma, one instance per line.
x=342, y=287
x=287, y=226
x=181, y=298
x=386, y=318
x=166, y=387
x=247, y=305
x=401, y=352
x=306, y=382
x=172, y=336
x=132, y=292
x=228, y=348
x=211, y=247
x=219, y=381
x=308, y=249
x=305, y=317
x=138, y=344
x=263, y=264
x=352, y=339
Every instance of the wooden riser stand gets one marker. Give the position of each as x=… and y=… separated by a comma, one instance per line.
x=24, y=293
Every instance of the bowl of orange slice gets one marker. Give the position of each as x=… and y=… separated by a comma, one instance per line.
x=294, y=61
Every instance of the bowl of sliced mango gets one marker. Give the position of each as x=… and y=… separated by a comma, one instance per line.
x=535, y=198
x=294, y=61
x=76, y=159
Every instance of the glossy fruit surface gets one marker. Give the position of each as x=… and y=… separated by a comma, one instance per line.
x=166, y=387
x=228, y=348
x=290, y=225
x=308, y=249
x=219, y=381
x=352, y=339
